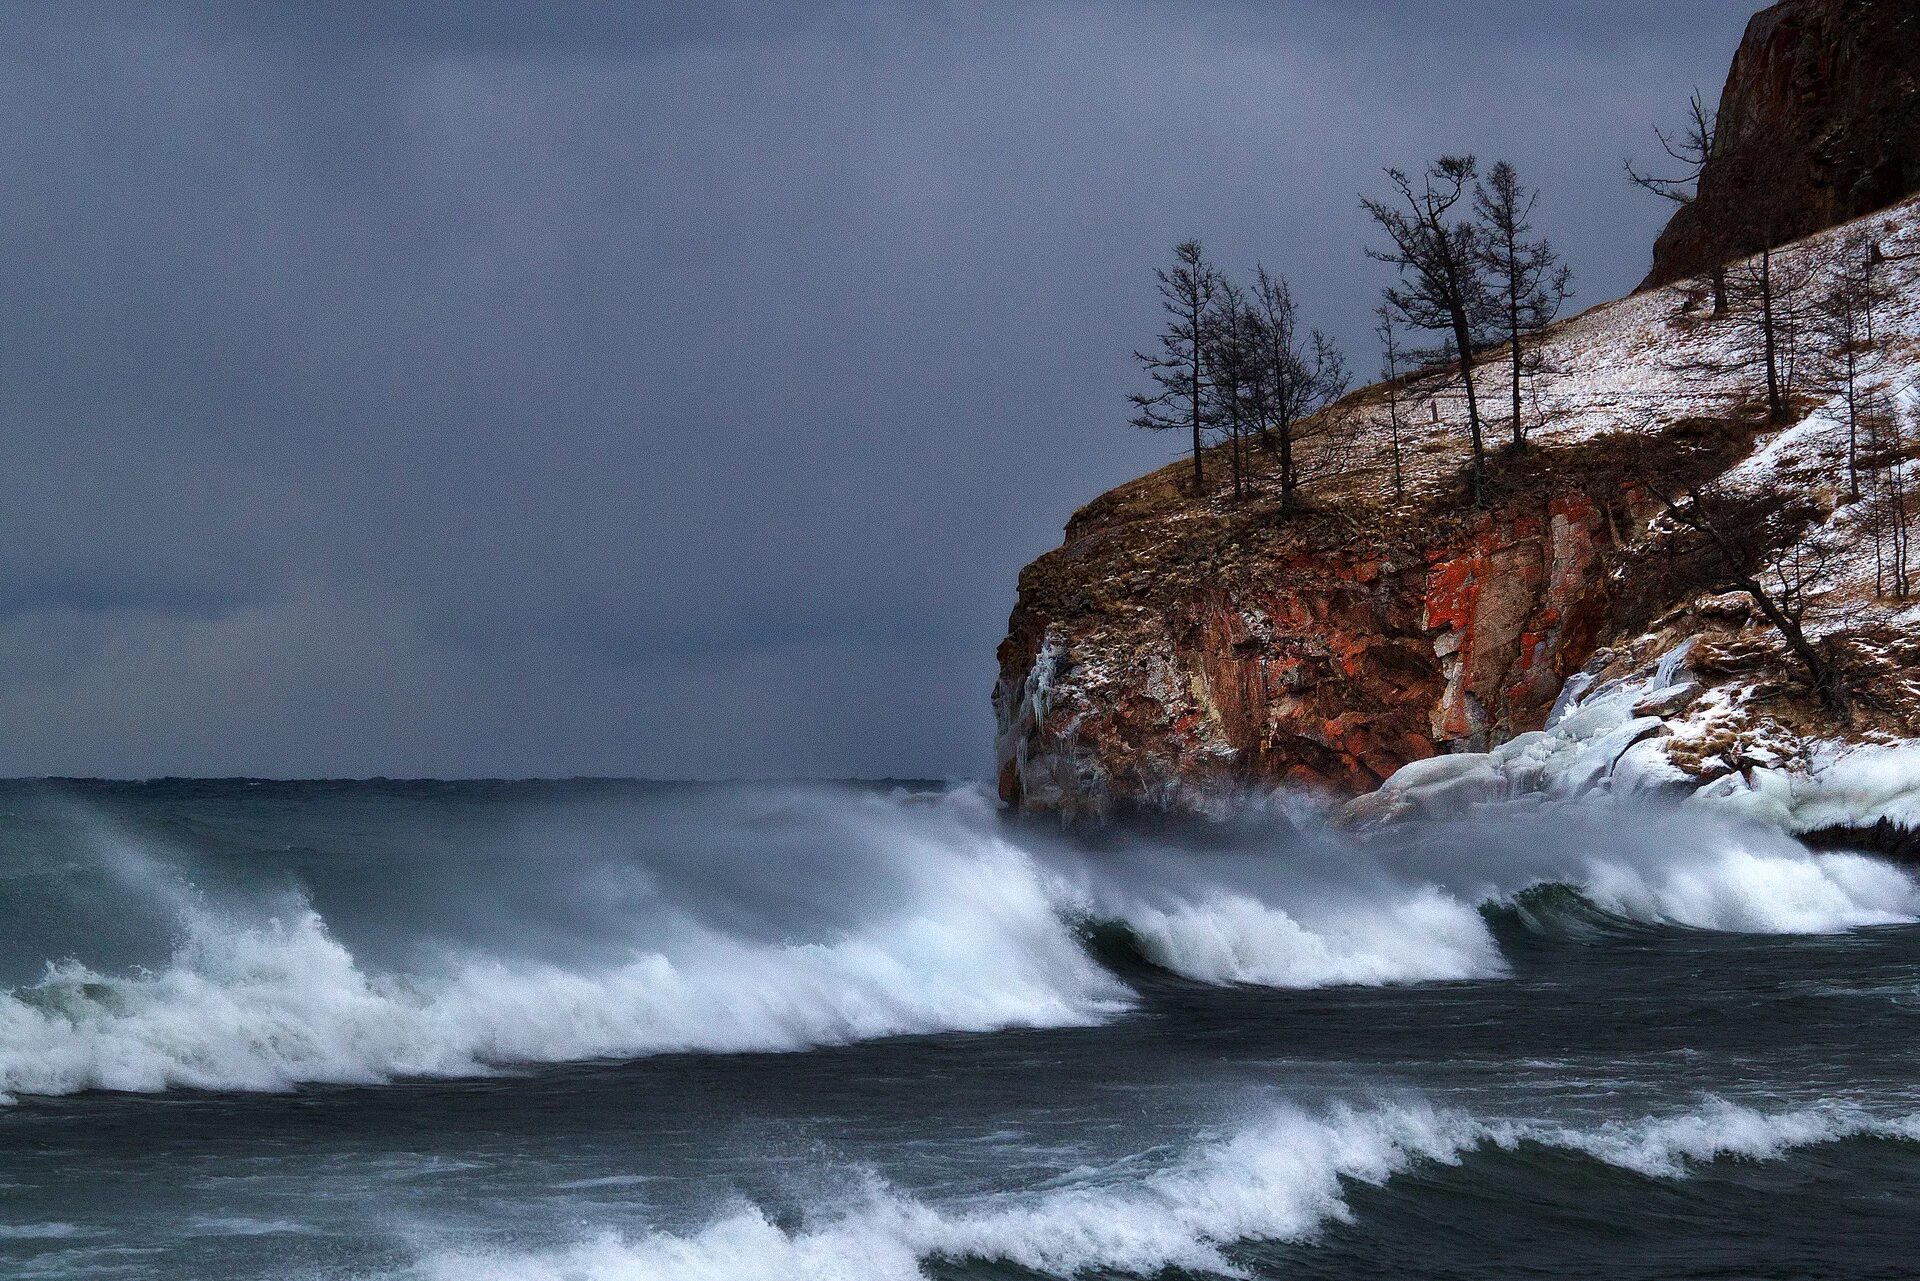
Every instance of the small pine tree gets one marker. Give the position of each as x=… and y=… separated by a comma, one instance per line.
x=1188, y=291
x=1297, y=374
x=1529, y=283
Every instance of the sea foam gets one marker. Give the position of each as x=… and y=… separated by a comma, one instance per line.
x=1282, y=1177
x=267, y=1006
x=944, y=925
x=1408, y=936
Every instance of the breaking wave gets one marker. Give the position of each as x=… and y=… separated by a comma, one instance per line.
x=267, y=1007
x=1420, y=936
x=1281, y=1178
x=1745, y=891
x=891, y=917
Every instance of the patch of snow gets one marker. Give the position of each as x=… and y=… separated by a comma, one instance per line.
x=1596, y=748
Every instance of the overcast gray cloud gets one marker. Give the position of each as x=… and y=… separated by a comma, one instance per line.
x=491, y=388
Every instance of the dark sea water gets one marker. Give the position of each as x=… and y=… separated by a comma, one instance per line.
x=601, y=1032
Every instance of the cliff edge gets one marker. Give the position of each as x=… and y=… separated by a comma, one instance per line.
x=1179, y=654
x=1819, y=121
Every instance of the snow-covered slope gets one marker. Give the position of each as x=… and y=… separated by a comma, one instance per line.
x=1733, y=732
x=1178, y=652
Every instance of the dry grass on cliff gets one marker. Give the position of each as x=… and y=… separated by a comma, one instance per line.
x=1641, y=366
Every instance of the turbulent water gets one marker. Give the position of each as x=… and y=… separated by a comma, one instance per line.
x=603, y=1032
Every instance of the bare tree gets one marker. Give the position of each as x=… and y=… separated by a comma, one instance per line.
x=1297, y=375
x=1753, y=545
x=1234, y=355
x=1692, y=146
x=1440, y=287
x=1843, y=318
x=1179, y=368
x=1900, y=501
x=1887, y=511
x=1528, y=281
x=1767, y=300
x=1890, y=507
x=1390, y=361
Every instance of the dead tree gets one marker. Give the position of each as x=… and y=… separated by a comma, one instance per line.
x=1753, y=544
x=1296, y=375
x=1528, y=282
x=1768, y=288
x=1179, y=368
x=1767, y=301
x=1391, y=358
x=1843, y=317
x=1692, y=147
x=1891, y=507
x=1901, y=506
x=1440, y=287
x=1234, y=357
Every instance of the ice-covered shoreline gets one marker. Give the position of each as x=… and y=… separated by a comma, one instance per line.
x=1616, y=738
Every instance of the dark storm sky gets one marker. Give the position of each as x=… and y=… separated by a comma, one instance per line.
x=491, y=387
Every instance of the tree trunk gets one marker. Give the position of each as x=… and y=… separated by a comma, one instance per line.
x=1393, y=427
x=1513, y=328
x=1853, y=423
x=1286, y=464
x=1829, y=683
x=1463, y=342
x=1193, y=400
x=1770, y=338
x=1239, y=472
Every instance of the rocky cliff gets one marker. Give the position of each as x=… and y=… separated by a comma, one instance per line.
x=1819, y=123
x=1179, y=658
x=1178, y=653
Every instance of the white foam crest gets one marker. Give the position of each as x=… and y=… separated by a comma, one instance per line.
x=1670, y=1147
x=1280, y=1179
x=1424, y=935
x=1744, y=890
x=266, y=1007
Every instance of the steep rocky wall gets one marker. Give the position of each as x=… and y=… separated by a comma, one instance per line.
x=1819, y=122
x=1301, y=655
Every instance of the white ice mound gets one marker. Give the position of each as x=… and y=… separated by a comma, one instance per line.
x=1609, y=739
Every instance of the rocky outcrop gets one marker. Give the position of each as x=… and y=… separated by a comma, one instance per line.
x=1819, y=123
x=1173, y=663
x=1179, y=652
x=1185, y=649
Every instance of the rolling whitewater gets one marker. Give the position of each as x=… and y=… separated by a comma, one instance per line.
x=606, y=1031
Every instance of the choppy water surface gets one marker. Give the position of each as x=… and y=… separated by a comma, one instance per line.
x=599, y=1031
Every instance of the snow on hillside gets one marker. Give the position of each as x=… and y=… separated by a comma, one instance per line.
x=1642, y=721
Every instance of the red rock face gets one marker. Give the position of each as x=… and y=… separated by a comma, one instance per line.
x=1819, y=124
x=1514, y=613
x=1320, y=668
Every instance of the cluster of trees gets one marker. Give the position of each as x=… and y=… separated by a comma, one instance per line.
x=1849, y=362
x=1472, y=271
x=1892, y=439
x=1234, y=363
